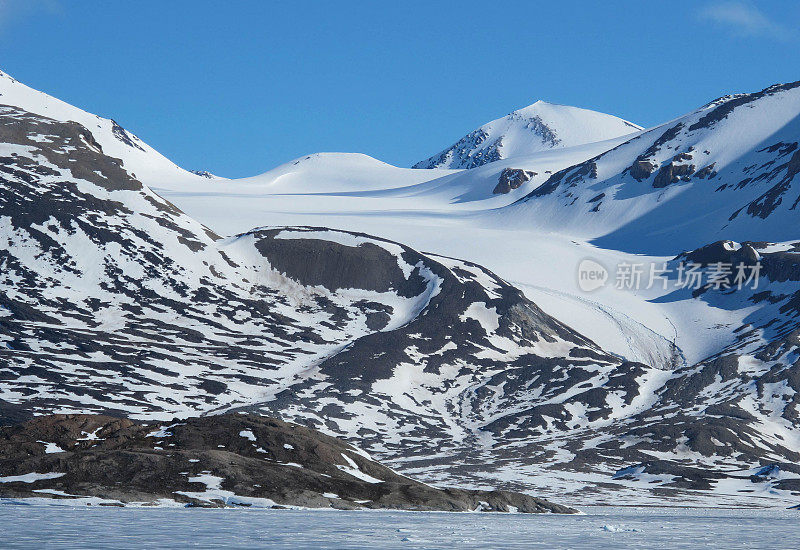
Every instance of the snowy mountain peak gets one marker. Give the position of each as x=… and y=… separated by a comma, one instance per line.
x=533, y=107
x=538, y=108
x=537, y=127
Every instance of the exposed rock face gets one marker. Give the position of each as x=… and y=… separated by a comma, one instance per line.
x=641, y=169
x=223, y=460
x=474, y=149
x=723, y=251
x=511, y=178
x=673, y=172
x=567, y=177
x=724, y=106
x=644, y=165
x=793, y=168
x=706, y=172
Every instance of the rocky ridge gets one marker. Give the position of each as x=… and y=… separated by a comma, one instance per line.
x=217, y=461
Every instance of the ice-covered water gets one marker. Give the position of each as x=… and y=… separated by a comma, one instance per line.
x=56, y=527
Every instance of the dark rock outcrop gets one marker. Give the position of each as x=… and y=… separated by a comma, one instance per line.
x=707, y=172
x=216, y=461
x=673, y=173
x=685, y=477
x=726, y=105
x=511, y=178
x=793, y=168
x=723, y=251
x=641, y=169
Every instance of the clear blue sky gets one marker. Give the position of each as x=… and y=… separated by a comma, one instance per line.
x=237, y=87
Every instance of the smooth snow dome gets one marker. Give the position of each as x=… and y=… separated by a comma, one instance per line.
x=534, y=128
x=327, y=172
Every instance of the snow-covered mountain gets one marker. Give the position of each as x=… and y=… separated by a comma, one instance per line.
x=137, y=157
x=113, y=300
x=118, y=298
x=537, y=127
x=724, y=171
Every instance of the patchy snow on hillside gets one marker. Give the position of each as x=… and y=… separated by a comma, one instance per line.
x=450, y=369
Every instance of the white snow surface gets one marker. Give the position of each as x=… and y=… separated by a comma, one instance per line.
x=52, y=448
x=352, y=468
x=29, y=478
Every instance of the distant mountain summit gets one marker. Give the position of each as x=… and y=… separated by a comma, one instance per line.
x=534, y=128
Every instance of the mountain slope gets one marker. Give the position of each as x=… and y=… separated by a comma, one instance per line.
x=115, y=301
x=537, y=127
x=137, y=157
x=725, y=171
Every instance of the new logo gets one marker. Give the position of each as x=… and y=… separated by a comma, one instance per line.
x=591, y=275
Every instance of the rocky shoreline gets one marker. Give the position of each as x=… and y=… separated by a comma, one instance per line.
x=218, y=461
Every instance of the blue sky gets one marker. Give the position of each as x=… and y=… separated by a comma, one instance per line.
x=237, y=87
